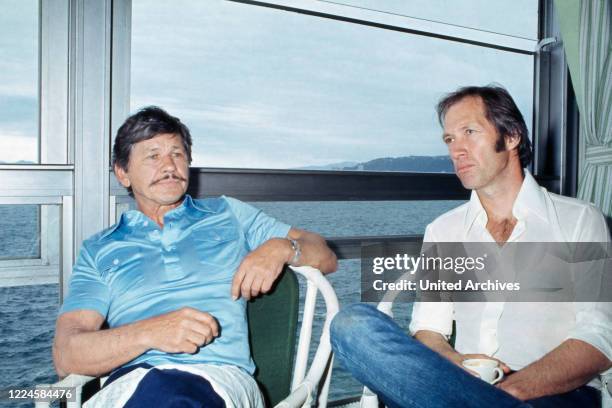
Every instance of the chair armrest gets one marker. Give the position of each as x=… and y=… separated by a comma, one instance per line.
x=304, y=384
x=606, y=389
x=73, y=380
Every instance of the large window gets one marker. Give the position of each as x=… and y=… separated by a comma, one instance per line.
x=267, y=88
x=19, y=136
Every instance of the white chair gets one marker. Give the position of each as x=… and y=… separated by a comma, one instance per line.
x=304, y=382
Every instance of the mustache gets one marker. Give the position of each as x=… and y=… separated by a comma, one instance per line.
x=167, y=177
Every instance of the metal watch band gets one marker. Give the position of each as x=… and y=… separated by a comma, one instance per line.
x=297, y=251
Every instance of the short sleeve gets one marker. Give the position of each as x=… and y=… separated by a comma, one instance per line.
x=87, y=290
x=433, y=316
x=257, y=226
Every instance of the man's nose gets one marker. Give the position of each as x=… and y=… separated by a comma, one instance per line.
x=457, y=149
x=168, y=163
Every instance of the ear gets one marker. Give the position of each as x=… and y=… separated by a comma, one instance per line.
x=512, y=141
x=122, y=176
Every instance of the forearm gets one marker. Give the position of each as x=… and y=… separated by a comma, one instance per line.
x=439, y=344
x=567, y=367
x=97, y=352
x=315, y=252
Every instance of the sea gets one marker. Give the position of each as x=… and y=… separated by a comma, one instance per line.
x=28, y=313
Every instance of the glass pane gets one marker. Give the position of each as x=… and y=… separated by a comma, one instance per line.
x=518, y=18
x=264, y=88
x=20, y=232
x=29, y=294
x=30, y=232
x=19, y=81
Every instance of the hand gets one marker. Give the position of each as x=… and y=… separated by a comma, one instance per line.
x=182, y=331
x=259, y=270
x=460, y=358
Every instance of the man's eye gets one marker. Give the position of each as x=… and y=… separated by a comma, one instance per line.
x=470, y=131
x=177, y=154
x=153, y=156
x=448, y=140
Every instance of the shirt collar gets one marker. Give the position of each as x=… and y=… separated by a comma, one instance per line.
x=530, y=199
x=474, y=209
x=198, y=205
x=188, y=205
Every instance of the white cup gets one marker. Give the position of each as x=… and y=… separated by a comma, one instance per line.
x=488, y=370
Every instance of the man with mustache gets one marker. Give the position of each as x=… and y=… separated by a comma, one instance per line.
x=171, y=280
x=551, y=353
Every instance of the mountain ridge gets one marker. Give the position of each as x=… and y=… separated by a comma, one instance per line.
x=428, y=164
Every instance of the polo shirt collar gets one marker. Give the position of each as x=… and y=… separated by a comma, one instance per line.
x=197, y=205
x=530, y=199
x=129, y=218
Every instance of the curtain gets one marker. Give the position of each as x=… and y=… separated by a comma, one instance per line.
x=595, y=102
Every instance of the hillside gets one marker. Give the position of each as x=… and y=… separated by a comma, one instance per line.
x=430, y=164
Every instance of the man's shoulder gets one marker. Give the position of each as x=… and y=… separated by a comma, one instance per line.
x=571, y=205
x=101, y=235
x=101, y=238
x=577, y=217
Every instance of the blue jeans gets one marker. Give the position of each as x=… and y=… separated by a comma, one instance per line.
x=405, y=373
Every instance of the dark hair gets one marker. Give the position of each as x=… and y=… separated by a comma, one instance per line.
x=500, y=110
x=144, y=125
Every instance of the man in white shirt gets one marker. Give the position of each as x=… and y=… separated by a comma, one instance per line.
x=548, y=351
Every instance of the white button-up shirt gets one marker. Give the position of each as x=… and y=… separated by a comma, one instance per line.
x=519, y=333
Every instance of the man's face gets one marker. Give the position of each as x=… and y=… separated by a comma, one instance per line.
x=158, y=171
x=471, y=140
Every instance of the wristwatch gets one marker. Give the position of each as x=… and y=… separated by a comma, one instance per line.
x=297, y=251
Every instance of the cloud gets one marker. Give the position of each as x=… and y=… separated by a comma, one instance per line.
x=15, y=146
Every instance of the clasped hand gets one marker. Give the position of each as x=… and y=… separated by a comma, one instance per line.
x=182, y=331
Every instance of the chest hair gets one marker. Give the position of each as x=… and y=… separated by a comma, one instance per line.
x=501, y=230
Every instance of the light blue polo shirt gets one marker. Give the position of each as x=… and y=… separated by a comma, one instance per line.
x=135, y=270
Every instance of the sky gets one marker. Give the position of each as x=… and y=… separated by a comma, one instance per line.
x=266, y=88
x=18, y=80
